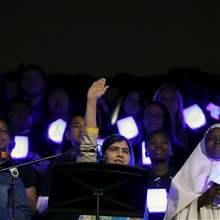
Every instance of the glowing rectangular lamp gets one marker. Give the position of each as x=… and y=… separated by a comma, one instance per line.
x=156, y=200
x=194, y=116
x=127, y=127
x=56, y=130
x=21, y=147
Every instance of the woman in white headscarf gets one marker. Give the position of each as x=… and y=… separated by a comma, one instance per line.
x=195, y=190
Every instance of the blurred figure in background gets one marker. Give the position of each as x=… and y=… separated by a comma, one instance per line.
x=171, y=97
x=131, y=105
x=58, y=107
x=33, y=90
x=58, y=104
x=156, y=116
x=19, y=114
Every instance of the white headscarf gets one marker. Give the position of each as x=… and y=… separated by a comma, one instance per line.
x=192, y=180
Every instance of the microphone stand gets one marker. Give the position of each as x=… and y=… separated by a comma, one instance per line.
x=15, y=174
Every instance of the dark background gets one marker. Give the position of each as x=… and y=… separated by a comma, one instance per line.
x=107, y=37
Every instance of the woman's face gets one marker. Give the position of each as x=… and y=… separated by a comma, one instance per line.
x=158, y=147
x=118, y=153
x=131, y=105
x=76, y=130
x=153, y=118
x=212, y=143
x=169, y=98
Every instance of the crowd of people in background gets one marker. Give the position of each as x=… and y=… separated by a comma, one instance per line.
x=30, y=108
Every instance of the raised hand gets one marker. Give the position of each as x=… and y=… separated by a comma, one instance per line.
x=97, y=89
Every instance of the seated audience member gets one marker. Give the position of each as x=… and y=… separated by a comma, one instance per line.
x=156, y=116
x=70, y=145
x=58, y=104
x=22, y=209
x=27, y=173
x=195, y=190
x=72, y=140
x=171, y=97
x=158, y=147
x=131, y=105
x=20, y=119
x=57, y=108
x=19, y=115
x=33, y=89
x=73, y=133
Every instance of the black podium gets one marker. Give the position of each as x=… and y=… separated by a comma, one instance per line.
x=97, y=189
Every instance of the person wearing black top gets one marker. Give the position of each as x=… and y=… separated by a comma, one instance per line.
x=22, y=207
x=160, y=173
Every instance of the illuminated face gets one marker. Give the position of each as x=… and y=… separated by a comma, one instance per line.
x=76, y=129
x=159, y=148
x=153, y=118
x=212, y=143
x=4, y=136
x=118, y=153
x=169, y=98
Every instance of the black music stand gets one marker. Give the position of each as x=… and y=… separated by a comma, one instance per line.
x=98, y=189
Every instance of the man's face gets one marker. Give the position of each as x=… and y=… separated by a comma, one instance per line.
x=4, y=136
x=212, y=143
x=118, y=153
